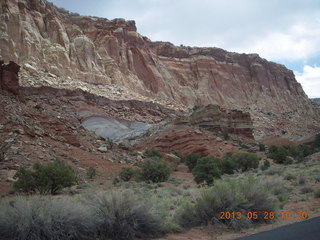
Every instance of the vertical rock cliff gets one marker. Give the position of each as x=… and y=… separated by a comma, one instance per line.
x=109, y=57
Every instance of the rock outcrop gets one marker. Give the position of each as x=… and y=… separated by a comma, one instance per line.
x=109, y=57
x=186, y=140
x=9, y=79
x=219, y=120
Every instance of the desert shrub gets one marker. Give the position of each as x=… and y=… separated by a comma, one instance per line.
x=302, y=180
x=115, y=181
x=228, y=196
x=206, y=170
x=279, y=154
x=317, y=193
x=40, y=218
x=26, y=181
x=122, y=216
x=273, y=149
x=275, y=170
x=290, y=176
x=242, y=145
x=262, y=147
x=246, y=161
x=316, y=143
x=127, y=174
x=91, y=172
x=154, y=153
x=179, y=155
x=191, y=161
x=298, y=152
x=228, y=164
x=283, y=198
x=48, y=178
x=155, y=170
x=286, y=154
x=306, y=190
x=266, y=165
x=172, y=227
x=275, y=185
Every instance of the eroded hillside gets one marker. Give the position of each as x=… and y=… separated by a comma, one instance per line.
x=110, y=58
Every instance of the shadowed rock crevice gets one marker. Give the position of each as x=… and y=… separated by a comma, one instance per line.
x=9, y=79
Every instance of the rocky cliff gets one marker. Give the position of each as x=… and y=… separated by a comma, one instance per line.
x=110, y=58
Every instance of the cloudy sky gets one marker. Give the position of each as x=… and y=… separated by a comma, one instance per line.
x=283, y=31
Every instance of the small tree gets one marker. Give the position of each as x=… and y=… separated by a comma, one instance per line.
x=26, y=181
x=279, y=154
x=126, y=174
x=206, y=170
x=246, y=161
x=191, y=161
x=155, y=170
x=48, y=178
x=228, y=164
x=266, y=165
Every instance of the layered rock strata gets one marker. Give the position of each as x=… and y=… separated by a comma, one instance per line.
x=219, y=120
x=110, y=58
x=100, y=51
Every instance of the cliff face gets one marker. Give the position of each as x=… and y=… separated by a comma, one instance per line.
x=60, y=49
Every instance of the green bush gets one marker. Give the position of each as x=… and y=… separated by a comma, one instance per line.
x=282, y=154
x=206, y=170
x=279, y=154
x=26, y=181
x=298, y=152
x=246, y=161
x=262, y=148
x=228, y=164
x=266, y=165
x=244, y=196
x=155, y=170
x=154, y=153
x=48, y=178
x=191, y=161
x=127, y=174
x=39, y=218
x=122, y=216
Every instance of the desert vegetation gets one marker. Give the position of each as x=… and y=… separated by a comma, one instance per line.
x=236, y=193
x=45, y=179
x=206, y=169
x=287, y=154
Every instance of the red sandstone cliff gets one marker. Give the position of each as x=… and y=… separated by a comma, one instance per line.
x=61, y=49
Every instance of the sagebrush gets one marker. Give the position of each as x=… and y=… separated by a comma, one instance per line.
x=39, y=218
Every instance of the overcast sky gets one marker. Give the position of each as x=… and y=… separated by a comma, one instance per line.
x=283, y=31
